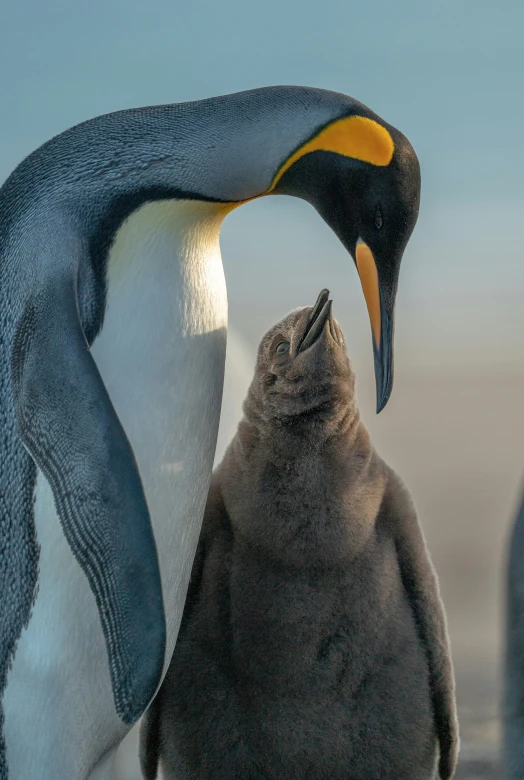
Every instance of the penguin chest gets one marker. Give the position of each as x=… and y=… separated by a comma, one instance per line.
x=161, y=354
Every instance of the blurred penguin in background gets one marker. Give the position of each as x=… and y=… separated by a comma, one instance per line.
x=513, y=701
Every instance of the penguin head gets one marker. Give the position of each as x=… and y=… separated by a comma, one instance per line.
x=363, y=177
x=303, y=371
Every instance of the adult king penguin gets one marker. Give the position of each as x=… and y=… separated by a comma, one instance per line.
x=112, y=344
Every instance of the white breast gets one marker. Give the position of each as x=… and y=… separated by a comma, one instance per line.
x=161, y=354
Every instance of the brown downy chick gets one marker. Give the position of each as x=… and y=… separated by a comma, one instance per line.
x=313, y=644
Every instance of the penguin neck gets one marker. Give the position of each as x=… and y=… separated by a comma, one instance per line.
x=321, y=426
x=166, y=297
x=171, y=248
x=327, y=434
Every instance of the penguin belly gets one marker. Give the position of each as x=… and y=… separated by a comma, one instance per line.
x=161, y=354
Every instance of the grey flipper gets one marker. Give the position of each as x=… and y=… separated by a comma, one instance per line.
x=513, y=704
x=421, y=586
x=70, y=428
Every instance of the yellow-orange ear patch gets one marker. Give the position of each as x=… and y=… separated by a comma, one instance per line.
x=353, y=136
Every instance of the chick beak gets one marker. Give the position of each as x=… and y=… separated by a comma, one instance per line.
x=319, y=316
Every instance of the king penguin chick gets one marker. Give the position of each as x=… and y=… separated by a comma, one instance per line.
x=313, y=644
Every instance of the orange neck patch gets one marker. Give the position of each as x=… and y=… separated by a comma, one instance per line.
x=353, y=136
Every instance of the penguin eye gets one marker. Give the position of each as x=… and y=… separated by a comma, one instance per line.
x=378, y=218
x=282, y=347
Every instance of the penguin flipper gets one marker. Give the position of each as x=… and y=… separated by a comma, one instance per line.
x=421, y=585
x=69, y=426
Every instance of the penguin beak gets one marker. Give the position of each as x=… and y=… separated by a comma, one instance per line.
x=317, y=319
x=381, y=322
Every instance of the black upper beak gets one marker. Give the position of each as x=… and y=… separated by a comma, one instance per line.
x=383, y=356
x=319, y=316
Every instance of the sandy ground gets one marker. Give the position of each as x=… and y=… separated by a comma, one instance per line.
x=458, y=442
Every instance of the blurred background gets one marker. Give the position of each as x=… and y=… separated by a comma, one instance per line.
x=448, y=74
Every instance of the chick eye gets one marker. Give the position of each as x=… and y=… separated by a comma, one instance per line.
x=378, y=218
x=282, y=347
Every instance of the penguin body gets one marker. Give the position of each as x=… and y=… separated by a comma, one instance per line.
x=112, y=346
x=62, y=651
x=313, y=642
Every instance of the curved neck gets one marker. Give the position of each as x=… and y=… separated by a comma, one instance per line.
x=170, y=250
x=228, y=148
x=338, y=418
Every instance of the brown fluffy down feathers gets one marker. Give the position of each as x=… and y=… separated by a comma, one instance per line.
x=313, y=644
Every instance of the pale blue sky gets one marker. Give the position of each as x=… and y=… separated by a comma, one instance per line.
x=449, y=74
